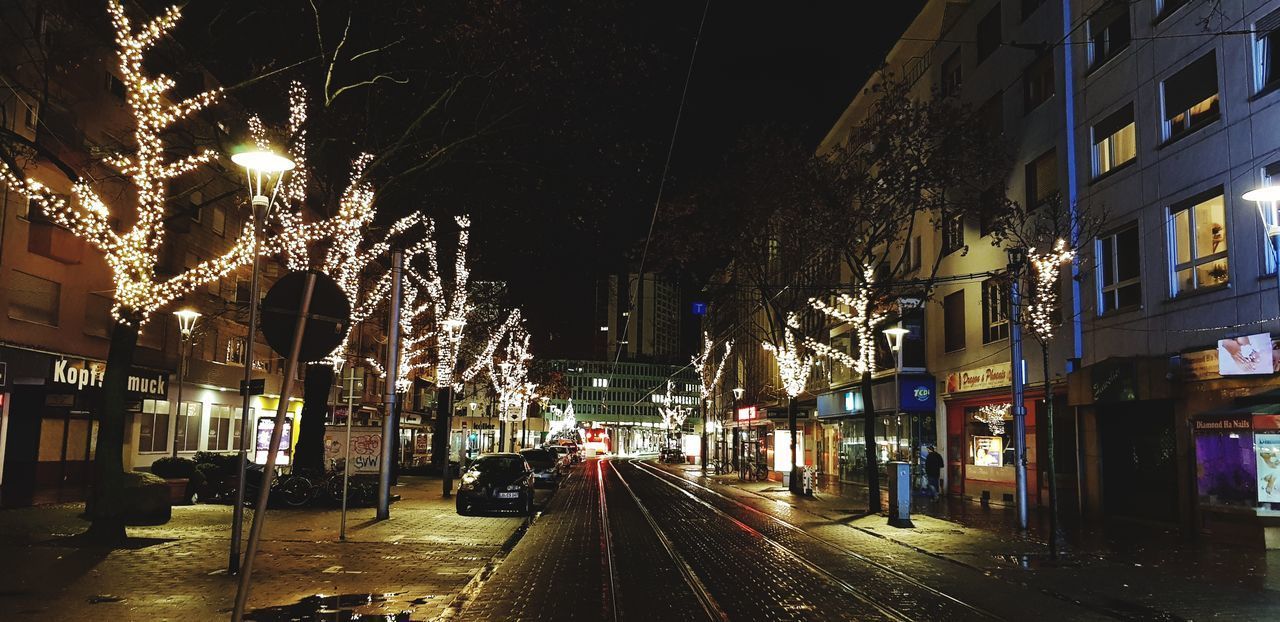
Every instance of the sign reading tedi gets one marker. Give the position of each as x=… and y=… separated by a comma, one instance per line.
x=79, y=373
x=988, y=377
x=746, y=413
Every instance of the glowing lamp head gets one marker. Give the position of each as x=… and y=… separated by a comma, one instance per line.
x=452, y=325
x=265, y=170
x=895, y=334
x=1265, y=194
x=738, y=392
x=186, y=320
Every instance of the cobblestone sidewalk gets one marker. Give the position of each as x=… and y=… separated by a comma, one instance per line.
x=1129, y=571
x=417, y=561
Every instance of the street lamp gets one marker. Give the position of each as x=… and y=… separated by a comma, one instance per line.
x=186, y=322
x=895, y=335
x=1266, y=198
x=1017, y=262
x=738, y=392
x=264, y=171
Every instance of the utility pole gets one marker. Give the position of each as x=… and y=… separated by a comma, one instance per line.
x=389, y=444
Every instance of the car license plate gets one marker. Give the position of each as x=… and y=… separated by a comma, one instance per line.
x=508, y=495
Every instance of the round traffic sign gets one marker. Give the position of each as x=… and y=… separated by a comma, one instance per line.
x=327, y=318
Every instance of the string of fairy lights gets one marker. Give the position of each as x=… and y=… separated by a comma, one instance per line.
x=795, y=363
x=709, y=370
x=1039, y=318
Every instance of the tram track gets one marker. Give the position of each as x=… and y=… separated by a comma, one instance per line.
x=708, y=602
x=898, y=575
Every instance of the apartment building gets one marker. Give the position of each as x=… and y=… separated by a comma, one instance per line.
x=55, y=290
x=1156, y=116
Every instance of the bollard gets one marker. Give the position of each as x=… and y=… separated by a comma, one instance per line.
x=899, y=494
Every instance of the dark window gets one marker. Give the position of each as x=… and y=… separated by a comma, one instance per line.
x=991, y=114
x=952, y=232
x=995, y=309
x=952, y=75
x=1191, y=97
x=953, y=321
x=1108, y=31
x=114, y=85
x=1029, y=7
x=1267, y=49
x=1165, y=7
x=98, y=321
x=1115, y=140
x=989, y=33
x=1042, y=178
x=33, y=299
x=1037, y=82
x=1119, y=270
x=990, y=208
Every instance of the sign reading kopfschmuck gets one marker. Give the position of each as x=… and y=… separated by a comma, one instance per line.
x=79, y=374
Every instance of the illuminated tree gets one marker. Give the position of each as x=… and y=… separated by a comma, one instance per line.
x=133, y=254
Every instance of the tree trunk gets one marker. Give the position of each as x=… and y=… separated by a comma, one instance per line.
x=106, y=503
x=1053, y=462
x=308, y=455
x=869, y=434
x=794, y=484
x=440, y=432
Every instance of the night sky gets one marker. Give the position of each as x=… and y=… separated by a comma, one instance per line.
x=560, y=127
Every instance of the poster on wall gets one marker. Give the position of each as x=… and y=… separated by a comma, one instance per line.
x=1250, y=354
x=366, y=447
x=988, y=451
x=263, y=441
x=1267, y=445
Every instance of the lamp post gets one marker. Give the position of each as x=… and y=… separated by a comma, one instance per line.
x=738, y=392
x=894, y=335
x=263, y=171
x=1017, y=261
x=186, y=322
x=445, y=407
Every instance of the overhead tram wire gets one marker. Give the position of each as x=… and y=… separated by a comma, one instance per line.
x=657, y=203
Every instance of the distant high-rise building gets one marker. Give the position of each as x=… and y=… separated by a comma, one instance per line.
x=639, y=317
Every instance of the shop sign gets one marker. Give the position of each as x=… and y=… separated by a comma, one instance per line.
x=1267, y=447
x=90, y=374
x=1114, y=381
x=1207, y=364
x=1225, y=424
x=747, y=413
x=1246, y=355
x=978, y=378
x=916, y=394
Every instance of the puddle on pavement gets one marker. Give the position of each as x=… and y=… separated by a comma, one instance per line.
x=1035, y=561
x=338, y=608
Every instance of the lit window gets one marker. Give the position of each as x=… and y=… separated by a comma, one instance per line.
x=235, y=350
x=952, y=233
x=1191, y=97
x=1114, y=141
x=1198, y=241
x=995, y=309
x=1119, y=270
x=1041, y=176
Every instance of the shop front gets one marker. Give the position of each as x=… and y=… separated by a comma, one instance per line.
x=51, y=411
x=904, y=424
x=981, y=441
x=750, y=431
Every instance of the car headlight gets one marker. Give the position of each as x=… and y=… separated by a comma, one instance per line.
x=469, y=479
x=513, y=487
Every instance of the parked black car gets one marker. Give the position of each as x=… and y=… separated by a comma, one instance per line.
x=497, y=482
x=546, y=466
x=671, y=454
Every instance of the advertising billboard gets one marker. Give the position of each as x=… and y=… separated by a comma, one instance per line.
x=1242, y=356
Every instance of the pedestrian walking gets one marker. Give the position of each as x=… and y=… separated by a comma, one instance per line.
x=933, y=471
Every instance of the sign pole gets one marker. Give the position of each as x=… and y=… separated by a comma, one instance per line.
x=350, y=385
x=255, y=530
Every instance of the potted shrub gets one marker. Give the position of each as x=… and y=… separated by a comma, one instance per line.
x=145, y=498
x=181, y=475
